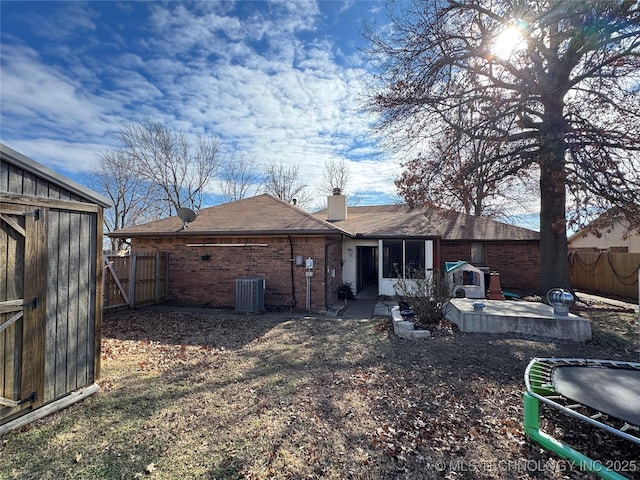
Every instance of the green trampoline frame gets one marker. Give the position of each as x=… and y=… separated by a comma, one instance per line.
x=540, y=388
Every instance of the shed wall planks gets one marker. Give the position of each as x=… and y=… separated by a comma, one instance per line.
x=94, y=313
x=33, y=359
x=71, y=296
x=11, y=288
x=16, y=180
x=58, y=317
x=58, y=259
x=4, y=177
x=4, y=269
x=52, y=306
x=70, y=284
x=95, y=326
x=85, y=347
x=29, y=184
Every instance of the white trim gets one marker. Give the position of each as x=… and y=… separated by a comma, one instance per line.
x=386, y=286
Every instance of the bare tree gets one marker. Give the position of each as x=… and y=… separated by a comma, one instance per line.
x=239, y=178
x=135, y=200
x=168, y=159
x=335, y=174
x=284, y=182
x=563, y=99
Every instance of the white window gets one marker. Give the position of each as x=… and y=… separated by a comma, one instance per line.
x=404, y=258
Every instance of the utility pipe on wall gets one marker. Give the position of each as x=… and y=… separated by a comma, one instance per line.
x=309, y=274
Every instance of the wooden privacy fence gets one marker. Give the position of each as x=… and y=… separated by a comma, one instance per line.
x=135, y=280
x=609, y=273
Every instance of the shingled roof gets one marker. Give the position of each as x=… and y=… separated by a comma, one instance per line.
x=267, y=215
x=401, y=221
x=259, y=215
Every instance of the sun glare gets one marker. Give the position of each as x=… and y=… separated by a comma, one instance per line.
x=508, y=42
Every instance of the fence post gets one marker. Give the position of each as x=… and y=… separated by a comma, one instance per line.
x=165, y=292
x=157, y=278
x=132, y=281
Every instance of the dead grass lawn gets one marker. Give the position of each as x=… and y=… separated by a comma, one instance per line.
x=225, y=397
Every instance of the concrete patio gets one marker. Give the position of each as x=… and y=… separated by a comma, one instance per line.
x=506, y=316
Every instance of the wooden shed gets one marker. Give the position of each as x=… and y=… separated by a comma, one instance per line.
x=50, y=289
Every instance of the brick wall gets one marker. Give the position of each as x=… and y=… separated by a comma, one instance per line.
x=454, y=251
x=211, y=282
x=518, y=263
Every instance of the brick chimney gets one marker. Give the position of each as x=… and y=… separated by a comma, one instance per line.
x=336, y=206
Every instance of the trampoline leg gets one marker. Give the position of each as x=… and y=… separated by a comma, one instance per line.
x=531, y=413
x=532, y=430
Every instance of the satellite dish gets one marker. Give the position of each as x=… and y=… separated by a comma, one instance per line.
x=187, y=216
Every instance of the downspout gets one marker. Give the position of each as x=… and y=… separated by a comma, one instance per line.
x=293, y=283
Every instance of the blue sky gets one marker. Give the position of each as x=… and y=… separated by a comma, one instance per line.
x=278, y=81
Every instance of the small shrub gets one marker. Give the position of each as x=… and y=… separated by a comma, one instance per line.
x=610, y=340
x=427, y=294
x=345, y=292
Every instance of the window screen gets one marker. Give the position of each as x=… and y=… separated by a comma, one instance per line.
x=403, y=258
x=414, y=258
x=391, y=258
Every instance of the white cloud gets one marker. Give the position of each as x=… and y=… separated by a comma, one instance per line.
x=36, y=99
x=268, y=84
x=59, y=155
x=67, y=20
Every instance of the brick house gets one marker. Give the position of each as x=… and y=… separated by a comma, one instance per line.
x=264, y=237
x=386, y=235
x=609, y=232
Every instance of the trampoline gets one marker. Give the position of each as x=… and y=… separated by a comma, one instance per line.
x=603, y=393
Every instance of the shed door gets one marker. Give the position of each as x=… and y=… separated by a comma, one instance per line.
x=21, y=309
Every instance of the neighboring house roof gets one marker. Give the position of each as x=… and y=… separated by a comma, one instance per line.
x=401, y=221
x=23, y=162
x=255, y=216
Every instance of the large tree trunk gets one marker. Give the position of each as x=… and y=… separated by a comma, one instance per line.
x=554, y=266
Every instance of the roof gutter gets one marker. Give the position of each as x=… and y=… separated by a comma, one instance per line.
x=227, y=244
x=238, y=233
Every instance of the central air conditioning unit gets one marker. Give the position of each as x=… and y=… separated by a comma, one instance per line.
x=250, y=295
